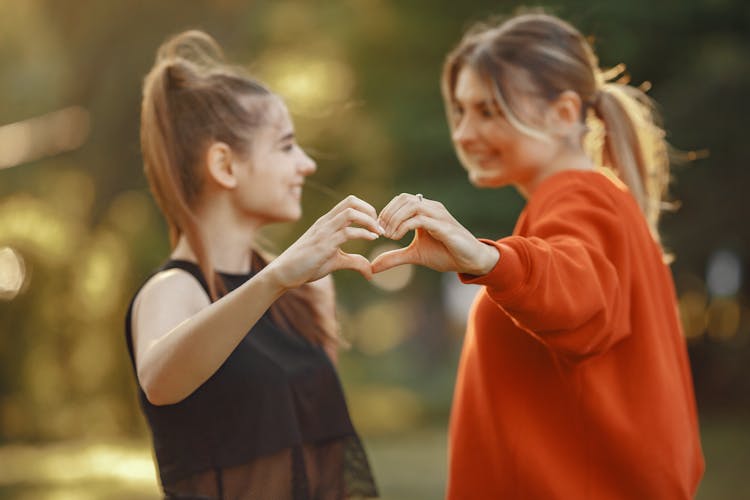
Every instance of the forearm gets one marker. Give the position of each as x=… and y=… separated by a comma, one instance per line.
x=174, y=366
x=567, y=295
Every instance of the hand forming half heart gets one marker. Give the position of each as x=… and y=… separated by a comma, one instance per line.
x=440, y=241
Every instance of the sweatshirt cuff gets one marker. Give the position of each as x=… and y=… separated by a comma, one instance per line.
x=508, y=273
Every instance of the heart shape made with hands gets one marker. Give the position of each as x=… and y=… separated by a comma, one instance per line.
x=439, y=242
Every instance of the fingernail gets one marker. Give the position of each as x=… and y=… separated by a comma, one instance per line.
x=380, y=228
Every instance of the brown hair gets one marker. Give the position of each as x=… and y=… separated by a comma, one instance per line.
x=192, y=98
x=541, y=56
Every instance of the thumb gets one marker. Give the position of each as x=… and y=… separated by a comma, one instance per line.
x=354, y=261
x=393, y=258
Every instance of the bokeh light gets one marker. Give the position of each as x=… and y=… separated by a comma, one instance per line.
x=393, y=279
x=35, y=226
x=385, y=409
x=378, y=327
x=723, y=318
x=12, y=273
x=311, y=84
x=457, y=298
x=724, y=273
x=45, y=135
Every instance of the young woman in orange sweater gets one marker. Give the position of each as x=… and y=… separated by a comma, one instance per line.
x=574, y=380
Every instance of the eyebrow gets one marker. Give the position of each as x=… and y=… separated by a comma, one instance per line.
x=486, y=103
x=286, y=137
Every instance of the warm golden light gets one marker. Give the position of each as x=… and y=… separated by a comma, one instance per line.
x=310, y=85
x=723, y=318
x=75, y=463
x=31, y=223
x=12, y=273
x=385, y=409
x=378, y=328
x=393, y=279
x=45, y=135
x=102, y=268
x=693, y=313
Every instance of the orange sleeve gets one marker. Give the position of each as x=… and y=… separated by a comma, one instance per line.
x=564, y=277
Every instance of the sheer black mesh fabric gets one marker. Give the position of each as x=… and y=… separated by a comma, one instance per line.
x=332, y=470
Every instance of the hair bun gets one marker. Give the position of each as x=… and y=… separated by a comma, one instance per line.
x=178, y=73
x=194, y=46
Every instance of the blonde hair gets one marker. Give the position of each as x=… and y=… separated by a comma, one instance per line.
x=192, y=98
x=540, y=56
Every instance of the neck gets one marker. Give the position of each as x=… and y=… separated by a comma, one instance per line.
x=565, y=159
x=227, y=239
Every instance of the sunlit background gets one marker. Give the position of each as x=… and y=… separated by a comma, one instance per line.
x=79, y=231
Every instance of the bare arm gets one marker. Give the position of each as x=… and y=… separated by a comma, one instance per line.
x=180, y=339
x=199, y=335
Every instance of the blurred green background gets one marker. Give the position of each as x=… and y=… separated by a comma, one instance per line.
x=79, y=232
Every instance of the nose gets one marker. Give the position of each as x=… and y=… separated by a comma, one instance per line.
x=307, y=165
x=464, y=132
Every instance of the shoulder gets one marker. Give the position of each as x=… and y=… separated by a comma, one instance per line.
x=579, y=191
x=170, y=290
x=586, y=205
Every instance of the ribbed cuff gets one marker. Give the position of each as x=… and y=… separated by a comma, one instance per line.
x=508, y=273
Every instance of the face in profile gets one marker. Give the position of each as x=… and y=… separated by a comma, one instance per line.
x=493, y=151
x=272, y=178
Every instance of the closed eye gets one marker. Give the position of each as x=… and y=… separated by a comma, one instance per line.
x=287, y=142
x=457, y=112
x=489, y=110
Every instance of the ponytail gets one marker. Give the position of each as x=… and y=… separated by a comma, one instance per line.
x=634, y=145
x=191, y=98
x=174, y=187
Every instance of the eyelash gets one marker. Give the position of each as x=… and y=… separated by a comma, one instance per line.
x=484, y=112
x=487, y=113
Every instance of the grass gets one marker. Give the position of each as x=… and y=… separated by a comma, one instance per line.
x=407, y=467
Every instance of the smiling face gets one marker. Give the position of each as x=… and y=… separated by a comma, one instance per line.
x=494, y=152
x=271, y=179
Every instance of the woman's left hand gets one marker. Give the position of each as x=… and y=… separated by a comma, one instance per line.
x=440, y=242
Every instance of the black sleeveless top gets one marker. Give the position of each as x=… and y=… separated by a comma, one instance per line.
x=271, y=423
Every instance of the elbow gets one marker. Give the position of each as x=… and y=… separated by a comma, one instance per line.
x=157, y=392
x=589, y=343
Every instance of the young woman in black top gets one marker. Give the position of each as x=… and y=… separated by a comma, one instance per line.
x=234, y=352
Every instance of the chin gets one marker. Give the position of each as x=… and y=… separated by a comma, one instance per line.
x=293, y=215
x=487, y=182
x=280, y=216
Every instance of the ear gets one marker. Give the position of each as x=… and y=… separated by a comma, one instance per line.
x=221, y=168
x=565, y=113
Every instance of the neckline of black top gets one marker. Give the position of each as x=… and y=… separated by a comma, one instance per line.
x=197, y=268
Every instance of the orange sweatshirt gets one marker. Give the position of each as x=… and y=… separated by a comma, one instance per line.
x=574, y=380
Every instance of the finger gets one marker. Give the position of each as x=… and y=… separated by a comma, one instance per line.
x=352, y=201
x=353, y=233
x=393, y=258
x=400, y=208
x=426, y=214
x=352, y=215
x=412, y=223
x=391, y=208
x=354, y=261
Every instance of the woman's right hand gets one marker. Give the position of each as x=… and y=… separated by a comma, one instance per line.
x=316, y=253
x=440, y=241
